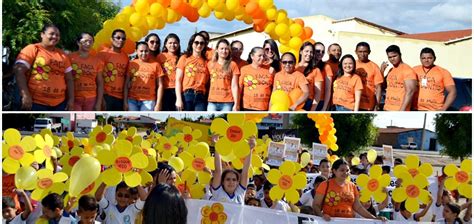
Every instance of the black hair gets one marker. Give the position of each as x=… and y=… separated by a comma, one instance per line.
x=363, y=155
x=319, y=179
x=236, y=41
x=399, y=160
x=147, y=38
x=53, y=201
x=164, y=205
x=8, y=202
x=227, y=171
x=267, y=186
x=118, y=31
x=255, y=49
x=393, y=48
x=338, y=163
x=251, y=186
x=455, y=208
x=206, y=35
x=378, y=160
x=162, y=166
x=311, y=63
x=386, y=169
x=122, y=185
x=78, y=38
x=323, y=161
x=363, y=44
x=428, y=50
x=334, y=44
x=47, y=26
x=228, y=59
x=174, y=36
x=340, y=71
x=140, y=43
x=133, y=190
x=255, y=199
x=88, y=203
x=189, y=50
x=276, y=54
x=319, y=64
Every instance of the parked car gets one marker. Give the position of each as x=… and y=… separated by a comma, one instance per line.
x=411, y=145
x=463, y=101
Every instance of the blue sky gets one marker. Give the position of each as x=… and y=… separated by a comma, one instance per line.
x=410, y=16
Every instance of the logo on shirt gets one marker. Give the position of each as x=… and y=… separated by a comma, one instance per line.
x=332, y=198
x=134, y=74
x=40, y=70
x=168, y=68
x=76, y=71
x=250, y=82
x=213, y=75
x=190, y=70
x=110, y=72
x=278, y=85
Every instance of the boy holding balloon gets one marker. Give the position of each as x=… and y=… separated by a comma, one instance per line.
x=9, y=209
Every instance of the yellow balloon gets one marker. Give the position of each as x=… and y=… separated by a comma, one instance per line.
x=213, y=3
x=355, y=161
x=305, y=158
x=204, y=11
x=270, y=27
x=281, y=29
x=177, y=163
x=136, y=19
x=219, y=15
x=279, y=97
x=295, y=29
x=271, y=14
x=295, y=42
x=25, y=178
x=128, y=10
x=142, y=7
x=278, y=107
x=232, y=4
x=371, y=155
x=282, y=16
x=265, y=4
x=156, y=9
x=83, y=173
x=196, y=3
x=135, y=34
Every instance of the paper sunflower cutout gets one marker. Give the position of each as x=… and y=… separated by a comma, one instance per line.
x=235, y=131
x=154, y=137
x=15, y=151
x=287, y=181
x=68, y=142
x=262, y=146
x=69, y=159
x=131, y=136
x=195, y=159
x=373, y=185
x=102, y=135
x=188, y=137
x=412, y=191
x=213, y=214
x=46, y=131
x=167, y=148
x=460, y=179
x=257, y=118
x=195, y=189
x=150, y=153
x=47, y=183
x=123, y=164
x=413, y=167
x=45, y=150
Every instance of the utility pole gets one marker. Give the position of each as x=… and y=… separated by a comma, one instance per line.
x=423, y=134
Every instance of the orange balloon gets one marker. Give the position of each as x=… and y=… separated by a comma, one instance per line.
x=251, y=7
x=244, y=2
x=308, y=32
x=299, y=21
x=193, y=16
x=258, y=27
x=294, y=95
x=258, y=14
x=175, y=4
x=164, y=3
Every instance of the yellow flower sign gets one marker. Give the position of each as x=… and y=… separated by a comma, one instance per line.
x=287, y=181
x=68, y=142
x=460, y=179
x=70, y=159
x=47, y=183
x=102, y=135
x=45, y=150
x=412, y=191
x=213, y=214
x=413, y=167
x=188, y=137
x=195, y=159
x=373, y=185
x=15, y=151
x=167, y=148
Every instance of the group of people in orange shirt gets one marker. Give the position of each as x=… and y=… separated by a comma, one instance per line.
x=218, y=79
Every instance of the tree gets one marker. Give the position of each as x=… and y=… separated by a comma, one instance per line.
x=354, y=133
x=20, y=121
x=24, y=19
x=454, y=132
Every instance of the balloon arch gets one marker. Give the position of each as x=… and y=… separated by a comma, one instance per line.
x=144, y=15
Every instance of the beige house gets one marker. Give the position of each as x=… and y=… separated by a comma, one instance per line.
x=453, y=48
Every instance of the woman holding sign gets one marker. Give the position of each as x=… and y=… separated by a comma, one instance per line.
x=338, y=197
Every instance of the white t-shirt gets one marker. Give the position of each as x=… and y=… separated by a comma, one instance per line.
x=114, y=216
x=438, y=211
x=219, y=194
x=397, y=216
x=281, y=205
x=208, y=194
x=17, y=220
x=259, y=194
x=442, y=220
x=307, y=198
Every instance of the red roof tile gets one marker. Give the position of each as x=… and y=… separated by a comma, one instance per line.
x=396, y=130
x=440, y=36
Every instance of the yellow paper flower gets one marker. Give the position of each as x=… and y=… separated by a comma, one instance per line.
x=234, y=134
x=287, y=181
x=190, y=70
x=68, y=142
x=213, y=214
x=460, y=179
x=167, y=148
x=196, y=189
x=257, y=118
x=46, y=131
x=188, y=137
x=47, y=183
x=195, y=159
x=15, y=151
x=40, y=70
x=373, y=185
x=332, y=198
x=412, y=191
x=250, y=82
x=262, y=146
x=168, y=68
x=130, y=135
x=413, y=167
x=134, y=74
x=102, y=135
x=110, y=72
x=70, y=158
x=45, y=151
x=123, y=164
x=76, y=71
x=150, y=153
x=213, y=75
x=154, y=138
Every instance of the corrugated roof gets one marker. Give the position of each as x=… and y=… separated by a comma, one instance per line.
x=443, y=36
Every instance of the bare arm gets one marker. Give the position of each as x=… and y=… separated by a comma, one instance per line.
x=248, y=160
x=216, y=181
x=410, y=88
x=317, y=207
x=70, y=91
x=235, y=92
x=100, y=91
x=99, y=194
x=450, y=97
x=142, y=193
x=384, y=202
x=302, y=99
x=125, y=93
x=20, y=71
x=317, y=95
x=357, y=206
x=327, y=92
x=420, y=215
x=358, y=94
x=179, y=89
x=439, y=196
x=28, y=206
x=159, y=94
x=378, y=95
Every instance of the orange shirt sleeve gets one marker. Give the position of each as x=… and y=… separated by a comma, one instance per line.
x=328, y=71
x=181, y=62
x=234, y=68
x=159, y=70
x=409, y=74
x=322, y=188
x=358, y=83
x=447, y=78
x=27, y=55
x=378, y=77
x=300, y=80
x=318, y=76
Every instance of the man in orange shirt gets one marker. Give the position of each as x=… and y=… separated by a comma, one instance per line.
x=401, y=81
x=433, y=81
x=371, y=76
x=334, y=52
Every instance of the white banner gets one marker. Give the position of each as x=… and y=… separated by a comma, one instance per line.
x=292, y=145
x=319, y=152
x=276, y=153
x=387, y=155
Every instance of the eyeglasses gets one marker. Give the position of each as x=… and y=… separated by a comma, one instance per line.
x=319, y=51
x=288, y=62
x=120, y=38
x=199, y=42
x=267, y=49
x=120, y=195
x=236, y=49
x=153, y=42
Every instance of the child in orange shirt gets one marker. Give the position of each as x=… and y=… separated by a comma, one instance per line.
x=168, y=60
x=142, y=80
x=348, y=86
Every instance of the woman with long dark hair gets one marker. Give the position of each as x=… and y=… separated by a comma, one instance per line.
x=165, y=205
x=168, y=60
x=272, y=56
x=307, y=66
x=154, y=44
x=348, y=86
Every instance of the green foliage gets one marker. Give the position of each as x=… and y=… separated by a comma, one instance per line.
x=454, y=132
x=20, y=121
x=354, y=133
x=24, y=19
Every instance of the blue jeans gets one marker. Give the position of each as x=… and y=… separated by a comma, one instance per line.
x=113, y=103
x=320, y=105
x=194, y=101
x=40, y=107
x=308, y=104
x=169, y=100
x=141, y=105
x=212, y=106
x=341, y=108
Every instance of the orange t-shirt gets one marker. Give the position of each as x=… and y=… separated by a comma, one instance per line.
x=371, y=76
x=220, y=90
x=209, y=53
x=8, y=185
x=334, y=67
x=344, y=90
x=143, y=78
x=339, y=199
x=431, y=91
x=168, y=63
x=256, y=86
x=241, y=63
x=195, y=73
x=314, y=76
x=288, y=82
x=46, y=79
x=396, y=86
x=84, y=72
x=114, y=72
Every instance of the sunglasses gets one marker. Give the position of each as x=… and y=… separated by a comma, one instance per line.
x=120, y=195
x=120, y=38
x=288, y=62
x=153, y=42
x=236, y=49
x=319, y=51
x=267, y=49
x=199, y=42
